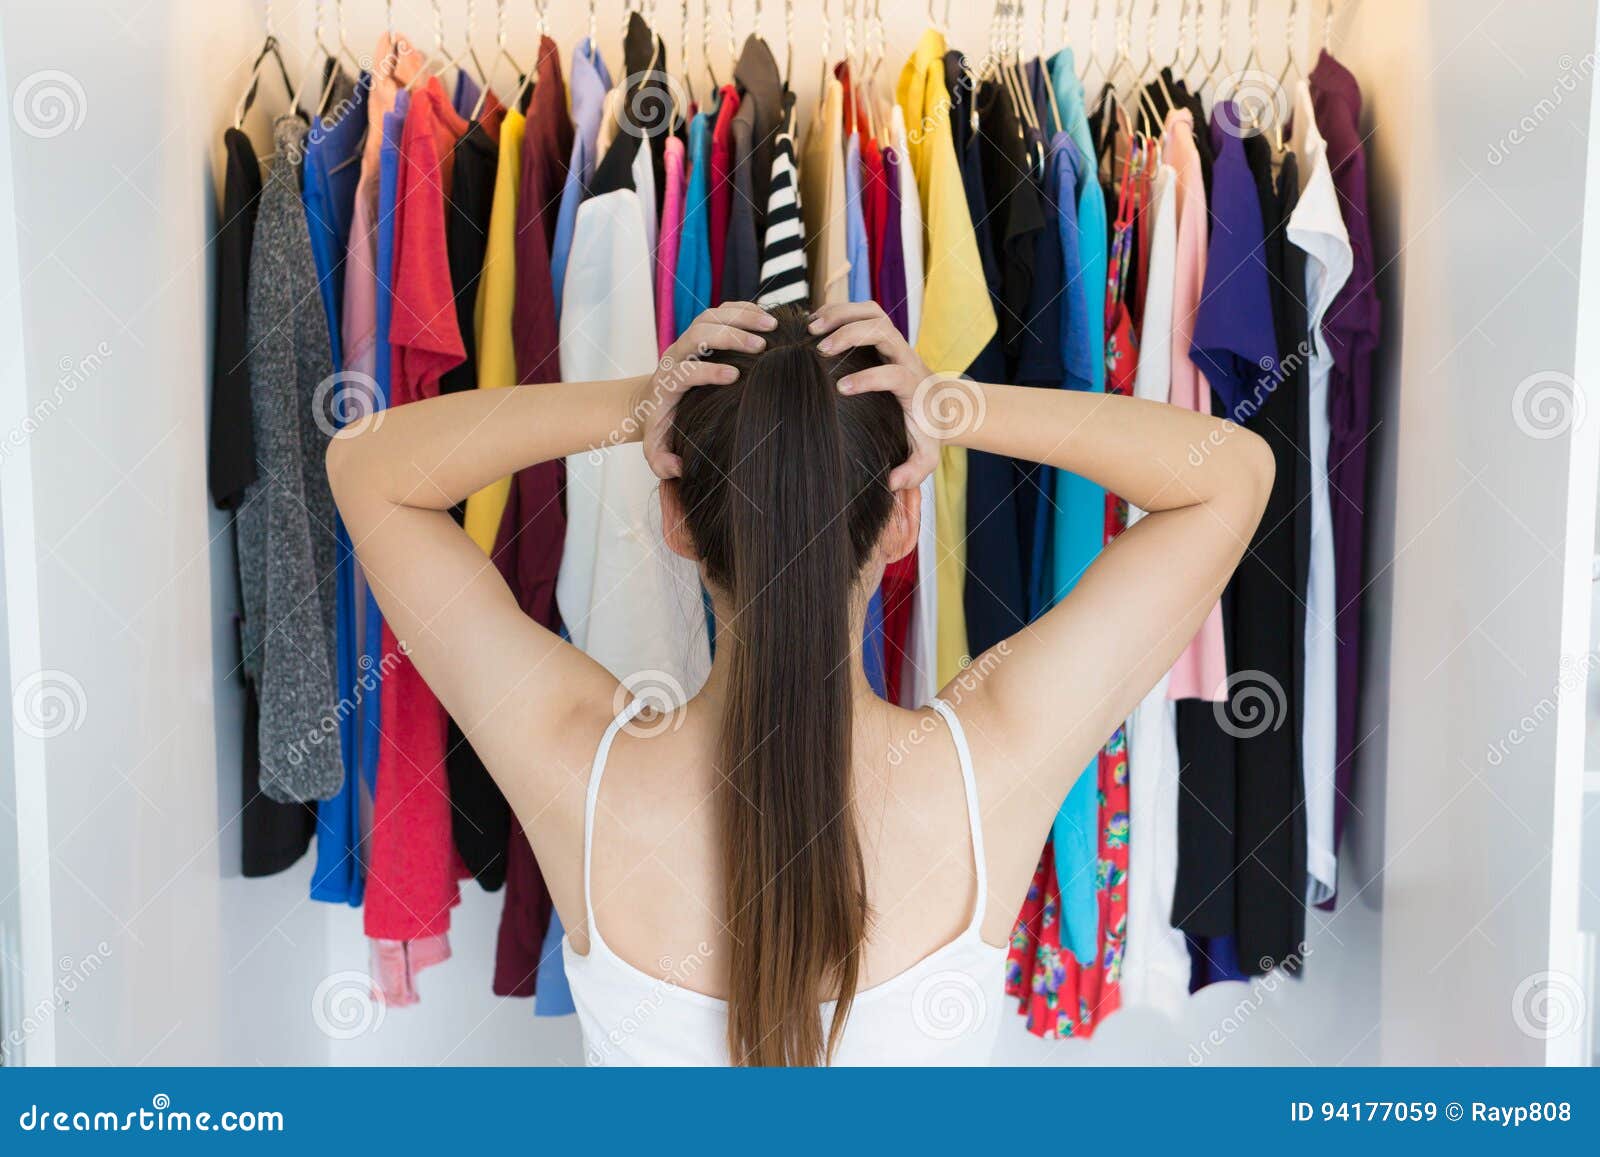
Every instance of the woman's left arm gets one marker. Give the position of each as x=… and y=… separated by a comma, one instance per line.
x=395, y=476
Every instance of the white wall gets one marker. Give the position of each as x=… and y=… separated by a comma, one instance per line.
x=113, y=218
x=1480, y=562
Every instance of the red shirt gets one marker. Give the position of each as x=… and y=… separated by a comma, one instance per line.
x=424, y=333
x=874, y=209
x=413, y=866
x=721, y=185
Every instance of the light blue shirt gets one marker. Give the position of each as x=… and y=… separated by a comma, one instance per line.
x=1078, y=533
x=692, y=295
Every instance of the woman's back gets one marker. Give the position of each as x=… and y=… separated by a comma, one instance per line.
x=650, y=988
x=789, y=838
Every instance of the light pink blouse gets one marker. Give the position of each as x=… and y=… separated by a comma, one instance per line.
x=1201, y=672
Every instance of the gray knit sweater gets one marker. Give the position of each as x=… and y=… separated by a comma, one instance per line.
x=286, y=522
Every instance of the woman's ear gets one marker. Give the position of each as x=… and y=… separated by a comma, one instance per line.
x=900, y=536
x=674, y=528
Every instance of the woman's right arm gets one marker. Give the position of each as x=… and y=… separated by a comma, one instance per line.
x=1040, y=704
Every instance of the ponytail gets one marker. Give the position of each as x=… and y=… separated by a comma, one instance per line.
x=785, y=491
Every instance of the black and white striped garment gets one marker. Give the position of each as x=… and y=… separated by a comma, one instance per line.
x=783, y=249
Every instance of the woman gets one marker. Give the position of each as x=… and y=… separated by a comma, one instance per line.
x=795, y=871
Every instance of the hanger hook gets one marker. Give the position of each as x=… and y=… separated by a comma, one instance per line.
x=1327, y=25
x=1290, y=30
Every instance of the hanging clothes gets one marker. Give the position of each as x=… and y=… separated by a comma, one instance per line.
x=919, y=681
x=1076, y=529
x=285, y=520
x=958, y=319
x=480, y=818
x=722, y=186
x=517, y=307
x=667, y=248
x=1201, y=671
x=1317, y=229
x=822, y=198
x=1351, y=326
x=783, y=254
x=1203, y=903
x=855, y=223
x=898, y=589
x=1002, y=491
x=330, y=187
x=414, y=860
x=692, y=289
x=625, y=600
x=1155, y=967
x=273, y=835
x=491, y=305
x=1269, y=622
x=590, y=83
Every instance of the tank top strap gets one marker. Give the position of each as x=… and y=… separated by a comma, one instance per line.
x=597, y=771
x=974, y=817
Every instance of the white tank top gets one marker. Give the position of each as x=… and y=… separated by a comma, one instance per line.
x=943, y=1010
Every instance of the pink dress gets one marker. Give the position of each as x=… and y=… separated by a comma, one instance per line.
x=667, y=245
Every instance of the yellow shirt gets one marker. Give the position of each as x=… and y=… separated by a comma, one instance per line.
x=497, y=357
x=957, y=317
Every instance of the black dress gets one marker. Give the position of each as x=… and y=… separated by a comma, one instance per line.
x=1269, y=623
x=273, y=835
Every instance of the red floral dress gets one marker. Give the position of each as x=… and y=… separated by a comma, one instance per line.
x=1058, y=996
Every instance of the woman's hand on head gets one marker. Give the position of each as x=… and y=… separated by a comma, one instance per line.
x=904, y=374
x=735, y=326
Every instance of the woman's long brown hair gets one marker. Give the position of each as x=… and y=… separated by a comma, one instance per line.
x=784, y=492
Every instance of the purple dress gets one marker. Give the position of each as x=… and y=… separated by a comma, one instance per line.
x=1351, y=329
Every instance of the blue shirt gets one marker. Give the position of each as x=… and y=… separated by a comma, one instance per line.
x=328, y=187
x=554, y=995
x=1235, y=342
x=590, y=82
x=339, y=874
x=693, y=292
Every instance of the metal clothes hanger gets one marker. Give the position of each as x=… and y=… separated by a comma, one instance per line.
x=524, y=77
x=1091, y=58
x=683, y=54
x=1252, y=63
x=705, y=47
x=1197, y=16
x=308, y=69
x=1222, y=45
x=1291, y=26
x=270, y=47
x=471, y=52
x=439, y=61
x=875, y=43
x=1153, y=74
x=1327, y=26
x=827, y=50
x=1054, y=107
